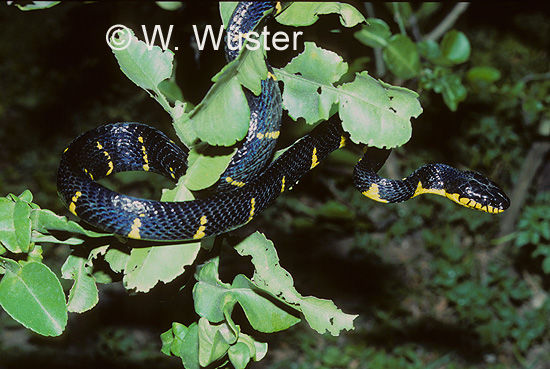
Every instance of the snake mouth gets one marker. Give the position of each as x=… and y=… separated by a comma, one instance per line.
x=485, y=192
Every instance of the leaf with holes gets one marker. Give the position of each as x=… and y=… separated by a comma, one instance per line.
x=309, y=92
x=376, y=113
x=83, y=295
x=300, y=14
x=269, y=276
x=147, y=266
x=211, y=295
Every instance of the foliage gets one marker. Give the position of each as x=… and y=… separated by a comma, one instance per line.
x=402, y=57
x=32, y=294
x=534, y=229
x=493, y=300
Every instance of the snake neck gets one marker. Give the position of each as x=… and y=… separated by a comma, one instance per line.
x=245, y=18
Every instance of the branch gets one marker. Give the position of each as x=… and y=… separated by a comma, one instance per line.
x=379, y=62
x=536, y=156
x=447, y=22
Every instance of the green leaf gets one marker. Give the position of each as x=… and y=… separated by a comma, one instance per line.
x=223, y=116
x=44, y=220
x=455, y=47
x=178, y=193
x=309, y=92
x=147, y=266
x=117, y=259
x=15, y=225
x=206, y=164
x=239, y=355
x=211, y=296
x=33, y=296
x=226, y=10
x=377, y=114
x=429, y=49
x=450, y=86
x=83, y=295
x=401, y=57
x=262, y=313
x=25, y=196
x=37, y=5
x=374, y=34
x=257, y=350
x=209, y=292
x=483, y=74
x=300, y=14
x=373, y=112
x=213, y=341
x=171, y=90
x=169, y=5
x=183, y=342
x=322, y=315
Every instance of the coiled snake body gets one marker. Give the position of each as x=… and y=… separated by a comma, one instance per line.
x=250, y=183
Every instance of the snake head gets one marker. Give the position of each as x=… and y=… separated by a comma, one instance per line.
x=479, y=192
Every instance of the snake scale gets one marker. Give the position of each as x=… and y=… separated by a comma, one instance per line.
x=251, y=182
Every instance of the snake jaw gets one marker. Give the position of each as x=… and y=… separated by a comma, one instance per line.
x=483, y=193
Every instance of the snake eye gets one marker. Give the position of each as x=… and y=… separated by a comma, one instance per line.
x=484, y=191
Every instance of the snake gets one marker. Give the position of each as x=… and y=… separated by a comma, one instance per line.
x=253, y=178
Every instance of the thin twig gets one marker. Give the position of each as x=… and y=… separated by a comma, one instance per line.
x=447, y=22
x=399, y=19
x=536, y=77
x=379, y=62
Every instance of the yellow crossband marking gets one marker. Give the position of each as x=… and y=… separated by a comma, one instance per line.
x=342, y=142
x=233, y=182
x=252, y=206
x=172, y=172
x=272, y=135
x=200, y=231
x=134, y=232
x=283, y=184
x=314, y=160
x=74, y=199
x=373, y=193
x=88, y=173
x=271, y=75
x=109, y=163
x=145, y=159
